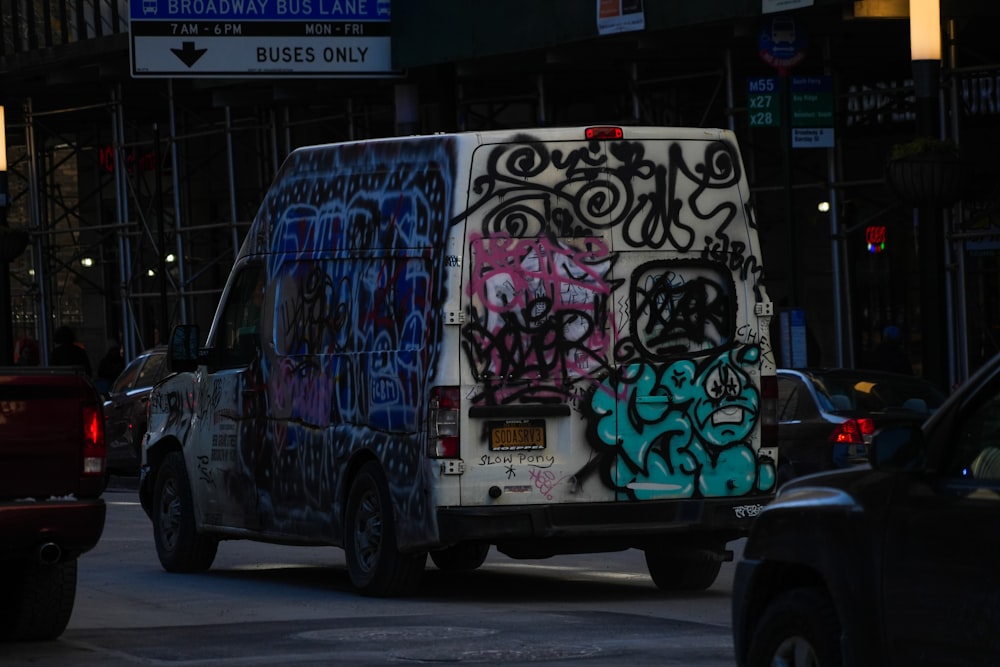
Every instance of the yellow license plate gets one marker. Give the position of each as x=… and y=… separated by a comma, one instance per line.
x=517, y=434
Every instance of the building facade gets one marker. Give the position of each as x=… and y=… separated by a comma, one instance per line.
x=137, y=189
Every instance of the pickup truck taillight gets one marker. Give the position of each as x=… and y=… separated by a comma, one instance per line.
x=94, y=447
x=442, y=423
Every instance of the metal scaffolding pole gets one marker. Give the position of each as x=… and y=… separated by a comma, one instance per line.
x=122, y=213
x=960, y=334
x=231, y=171
x=182, y=284
x=39, y=239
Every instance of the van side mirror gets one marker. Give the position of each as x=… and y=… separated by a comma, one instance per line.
x=898, y=448
x=183, y=353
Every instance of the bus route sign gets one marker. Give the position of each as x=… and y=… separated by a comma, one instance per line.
x=763, y=102
x=260, y=38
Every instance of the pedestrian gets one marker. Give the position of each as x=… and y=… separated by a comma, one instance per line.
x=889, y=354
x=111, y=366
x=68, y=353
x=27, y=353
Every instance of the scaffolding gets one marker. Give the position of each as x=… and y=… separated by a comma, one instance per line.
x=136, y=221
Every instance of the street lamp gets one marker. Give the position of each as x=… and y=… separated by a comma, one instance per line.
x=925, y=54
x=925, y=30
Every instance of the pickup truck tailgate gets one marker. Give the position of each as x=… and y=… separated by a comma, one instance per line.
x=42, y=432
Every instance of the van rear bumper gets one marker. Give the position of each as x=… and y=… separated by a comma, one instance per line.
x=568, y=528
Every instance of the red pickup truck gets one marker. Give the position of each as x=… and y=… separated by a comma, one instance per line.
x=52, y=469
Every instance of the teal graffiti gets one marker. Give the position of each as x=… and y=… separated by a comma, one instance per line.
x=683, y=429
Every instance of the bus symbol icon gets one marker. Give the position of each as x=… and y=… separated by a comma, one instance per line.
x=148, y=7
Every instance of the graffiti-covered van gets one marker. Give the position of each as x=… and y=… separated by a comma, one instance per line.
x=546, y=341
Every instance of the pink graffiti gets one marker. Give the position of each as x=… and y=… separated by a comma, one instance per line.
x=545, y=481
x=550, y=292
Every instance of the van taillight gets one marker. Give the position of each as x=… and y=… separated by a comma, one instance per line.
x=94, y=447
x=769, y=411
x=604, y=132
x=442, y=423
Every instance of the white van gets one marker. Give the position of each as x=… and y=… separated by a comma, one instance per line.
x=548, y=341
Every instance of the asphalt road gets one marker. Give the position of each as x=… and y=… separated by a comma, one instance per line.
x=272, y=605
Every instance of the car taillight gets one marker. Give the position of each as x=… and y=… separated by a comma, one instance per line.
x=442, y=423
x=852, y=432
x=604, y=132
x=769, y=411
x=94, y=447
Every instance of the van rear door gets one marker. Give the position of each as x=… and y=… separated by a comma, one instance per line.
x=605, y=283
x=539, y=326
x=685, y=392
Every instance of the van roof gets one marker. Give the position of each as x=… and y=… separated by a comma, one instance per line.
x=575, y=133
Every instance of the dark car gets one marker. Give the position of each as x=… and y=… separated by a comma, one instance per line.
x=125, y=409
x=895, y=564
x=827, y=416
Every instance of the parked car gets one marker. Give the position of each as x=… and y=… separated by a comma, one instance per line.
x=827, y=416
x=889, y=565
x=125, y=409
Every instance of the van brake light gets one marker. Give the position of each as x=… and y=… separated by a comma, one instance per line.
x=604, y=132
x=442, y=423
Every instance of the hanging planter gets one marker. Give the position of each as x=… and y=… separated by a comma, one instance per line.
x=925, y=172
x=13, y=241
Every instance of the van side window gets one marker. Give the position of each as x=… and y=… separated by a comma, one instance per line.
x=238, y=336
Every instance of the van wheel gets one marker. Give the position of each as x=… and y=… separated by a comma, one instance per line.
x=374, y=563
x=461, y=557
x=682, y=570
x=799, y=628
x=38, y=600
x=178, y=544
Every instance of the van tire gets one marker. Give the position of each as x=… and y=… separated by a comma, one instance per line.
x=682, y=570
x=179, y=545
x=38, y=600
x=374, y=563
x=461, y=557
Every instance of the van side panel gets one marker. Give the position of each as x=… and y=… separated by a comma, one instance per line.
x=353, y=237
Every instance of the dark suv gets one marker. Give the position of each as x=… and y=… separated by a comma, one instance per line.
x=898, y=564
